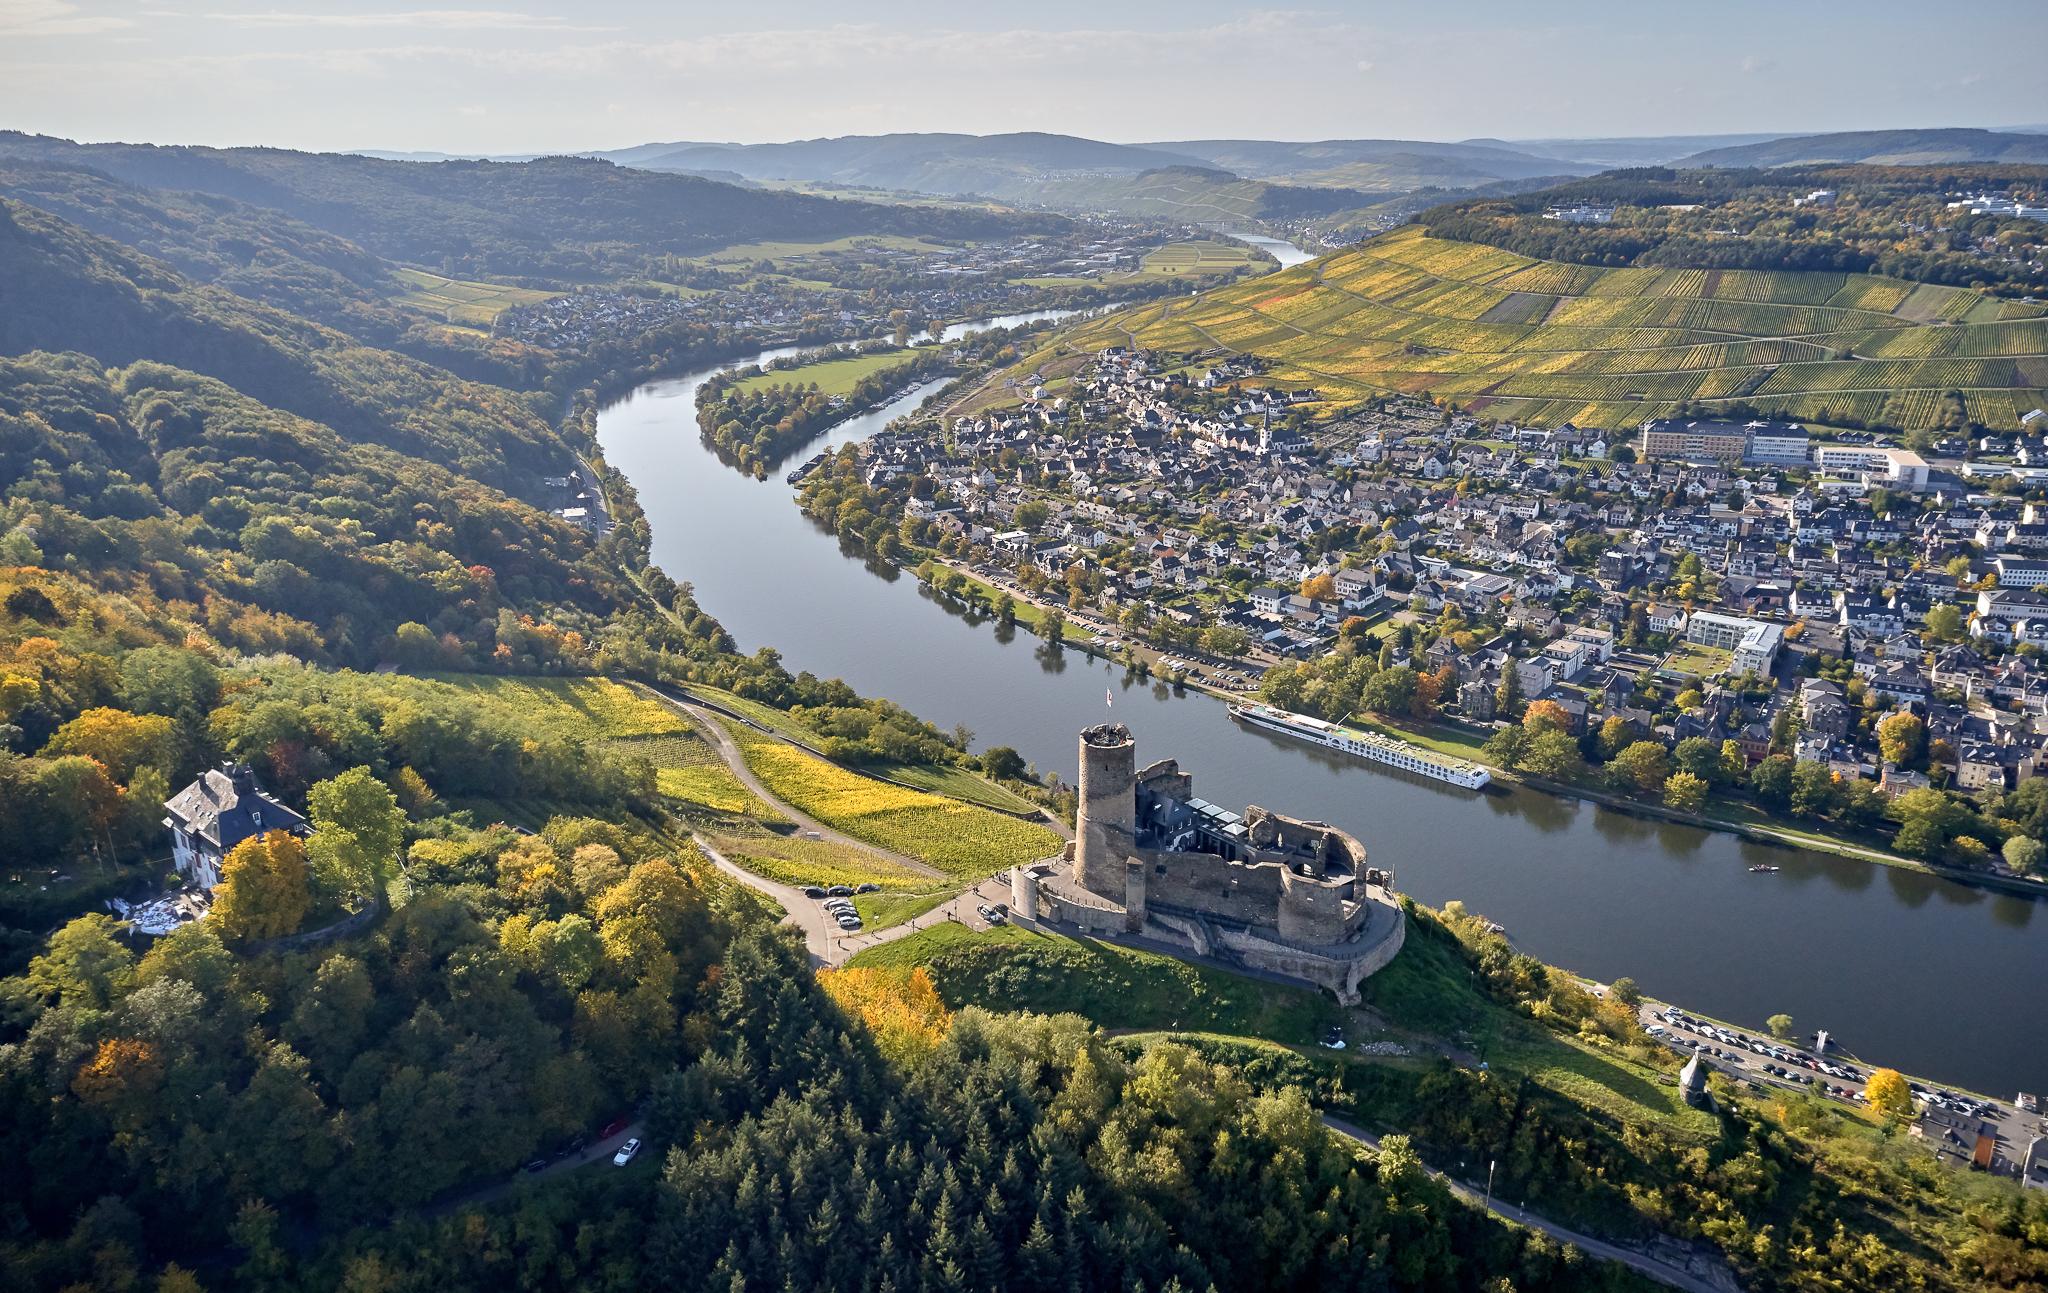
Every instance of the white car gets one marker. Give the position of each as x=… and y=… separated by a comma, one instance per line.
x=626, y=1152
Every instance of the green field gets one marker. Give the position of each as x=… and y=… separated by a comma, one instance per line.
x=1544, y=342
x=785, y=254
x=833, y=376
x=457, y=301
x=1118, y=987
x=1195, y=258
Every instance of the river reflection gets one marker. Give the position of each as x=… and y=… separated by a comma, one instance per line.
x=1921, y=972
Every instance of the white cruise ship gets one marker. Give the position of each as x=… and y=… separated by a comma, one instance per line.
x=1389, y=750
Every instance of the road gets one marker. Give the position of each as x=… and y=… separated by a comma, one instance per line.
x=2013, y=1127
x=597, y=1151
x=1664, y=1272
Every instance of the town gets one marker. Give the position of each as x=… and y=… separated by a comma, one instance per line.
x=870, y=288
x=1845, y=629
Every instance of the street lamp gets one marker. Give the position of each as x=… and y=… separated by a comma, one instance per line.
x=1489, y=1184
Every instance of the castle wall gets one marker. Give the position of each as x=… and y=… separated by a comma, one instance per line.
x=1340, y=974
x=1205, y=882
x=1312, y=909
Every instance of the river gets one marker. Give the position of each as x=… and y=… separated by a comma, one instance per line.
x=1941, y=979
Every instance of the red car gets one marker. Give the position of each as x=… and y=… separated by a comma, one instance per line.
x=612, y=1128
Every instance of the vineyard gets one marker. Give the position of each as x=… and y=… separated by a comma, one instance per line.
x=1545, y=343
x=961, y=839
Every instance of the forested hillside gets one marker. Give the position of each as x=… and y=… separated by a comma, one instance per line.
x=70, y=291
x=1887, y=220
x=555, y=217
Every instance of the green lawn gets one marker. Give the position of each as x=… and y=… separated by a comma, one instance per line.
x=1117, y=987
x=881, y=910
x=1698, y=661
x=833, y=376
x=1429, y=990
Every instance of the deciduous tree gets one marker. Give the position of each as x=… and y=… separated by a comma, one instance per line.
x=1899, y=736
x=1642, y=767
x=358, y=829
x=1685, y=792
x=1889, y=1094
x=265, y=888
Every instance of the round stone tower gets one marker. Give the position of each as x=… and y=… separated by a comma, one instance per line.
x=1108, y=810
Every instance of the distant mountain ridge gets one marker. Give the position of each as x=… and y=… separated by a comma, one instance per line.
x=930, y=163
x=1882, y=148
x=1377, y=164
x=559, y=215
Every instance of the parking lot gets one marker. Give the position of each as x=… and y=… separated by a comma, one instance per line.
x=1766, y=1061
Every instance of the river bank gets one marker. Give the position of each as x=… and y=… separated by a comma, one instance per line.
x=1030, y=616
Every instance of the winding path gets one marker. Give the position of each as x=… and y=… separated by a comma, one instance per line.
x=1664, y=1272
x=736, y=761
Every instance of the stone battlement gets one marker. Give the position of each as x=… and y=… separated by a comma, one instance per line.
x=1291, y=890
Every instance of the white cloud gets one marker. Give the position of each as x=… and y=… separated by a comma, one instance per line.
x=419, y=19
x=53, y=18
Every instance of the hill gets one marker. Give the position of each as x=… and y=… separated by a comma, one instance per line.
x=930, y=163
x=1883, y=148
x=252, y=252
x=1546, y=342
x=555, y=217
x=68, y=290
x=1198, y=194
x=1055, y=170
x=1627, y=150
x=1378, y=165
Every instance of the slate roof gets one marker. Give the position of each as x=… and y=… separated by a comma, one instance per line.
x=225, y=806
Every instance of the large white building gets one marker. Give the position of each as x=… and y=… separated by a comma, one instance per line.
x=1877, y=464
x=1753, y=643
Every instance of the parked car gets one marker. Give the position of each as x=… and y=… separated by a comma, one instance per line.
x=840, y=891
x=612, y=1128
x=866, y=888
x=626, y=1152
x=537, y=1165
x=813, y=891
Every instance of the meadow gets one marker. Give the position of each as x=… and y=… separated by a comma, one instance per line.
x=832, y=376
x=1546, y=343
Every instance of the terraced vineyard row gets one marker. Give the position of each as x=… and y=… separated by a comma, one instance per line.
x=1544, y=342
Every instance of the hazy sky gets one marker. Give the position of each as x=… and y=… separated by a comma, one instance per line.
x=538, y=75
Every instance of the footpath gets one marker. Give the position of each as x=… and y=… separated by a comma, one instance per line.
x=1701, y=1272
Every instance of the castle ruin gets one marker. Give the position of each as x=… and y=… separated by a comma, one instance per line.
x=1260, y=889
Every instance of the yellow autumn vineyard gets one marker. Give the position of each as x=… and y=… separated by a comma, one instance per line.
x=1544, y=343
x=960, y=839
